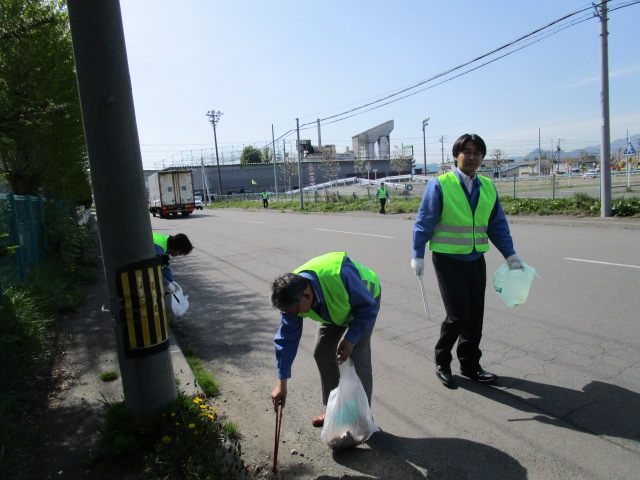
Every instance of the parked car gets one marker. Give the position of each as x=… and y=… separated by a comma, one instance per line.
x=198, y=202
x=591, y=174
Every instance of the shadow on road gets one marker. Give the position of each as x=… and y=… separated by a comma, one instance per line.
x=390, y=457
x=599, y=408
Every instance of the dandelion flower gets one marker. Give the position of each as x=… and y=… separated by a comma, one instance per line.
x=166, y=439
x=173, y=414
x=192, y=425
x=203, y=406
x=197, y=400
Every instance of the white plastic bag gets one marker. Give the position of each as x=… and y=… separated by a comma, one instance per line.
x=348, y=420
x=179, y=302
x=513, y=285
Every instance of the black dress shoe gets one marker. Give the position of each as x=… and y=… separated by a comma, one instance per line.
x=444, y=375
x=480, y=375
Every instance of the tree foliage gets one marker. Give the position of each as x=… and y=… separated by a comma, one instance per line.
x=250, y=155
x=42, y=147
x=401, y=161
x=267, y=157
x=330, y=166
x=288, y=168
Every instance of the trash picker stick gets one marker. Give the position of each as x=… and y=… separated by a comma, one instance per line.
x=277, y=439
x=424, y=298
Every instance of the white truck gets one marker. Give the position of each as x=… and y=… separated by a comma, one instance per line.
x=171, y=192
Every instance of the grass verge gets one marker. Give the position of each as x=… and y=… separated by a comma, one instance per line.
x=579, y=204
x=27, y=343
x=186, y=440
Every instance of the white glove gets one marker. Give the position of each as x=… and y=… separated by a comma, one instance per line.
x=515, y=262
x=170, y=287
x=418, y=266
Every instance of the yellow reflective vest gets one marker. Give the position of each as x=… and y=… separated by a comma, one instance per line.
x=460, y=230
x=161, y=241
x=327, y=268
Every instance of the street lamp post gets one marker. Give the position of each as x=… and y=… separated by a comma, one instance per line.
x=214, y=118
x=425, y=122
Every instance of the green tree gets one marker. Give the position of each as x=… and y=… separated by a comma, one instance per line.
x=266, y=155
x=42, y=147
x=250, y=155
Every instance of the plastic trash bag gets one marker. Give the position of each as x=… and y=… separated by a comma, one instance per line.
x=348, y=420
x=513, y=285
x=179, y=302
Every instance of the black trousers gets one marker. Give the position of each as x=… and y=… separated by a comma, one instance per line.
x=462, y=286
x=383, y=201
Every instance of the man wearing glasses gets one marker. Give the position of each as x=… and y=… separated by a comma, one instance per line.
x=344, y=297
x=460, y=212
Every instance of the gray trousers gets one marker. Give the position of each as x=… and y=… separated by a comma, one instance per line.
x=325, y=351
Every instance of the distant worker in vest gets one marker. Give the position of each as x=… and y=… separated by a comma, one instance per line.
x=170, y=246
x=382, y=195
x=265, y=199
x=344, y=297
x=460, y=212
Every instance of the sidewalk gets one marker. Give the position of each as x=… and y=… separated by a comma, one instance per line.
x=87, y=348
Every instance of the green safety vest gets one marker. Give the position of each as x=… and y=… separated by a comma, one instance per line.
x=327, y=267
x=265, y=196
x=382, y=192
x=459, y=230
x=161, y=241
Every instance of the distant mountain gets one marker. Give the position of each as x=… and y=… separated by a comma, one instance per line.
x=592, y=150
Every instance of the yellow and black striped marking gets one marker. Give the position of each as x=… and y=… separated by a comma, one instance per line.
x=142, y=310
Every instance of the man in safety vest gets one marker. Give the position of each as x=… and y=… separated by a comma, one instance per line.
x=265, y=199
x=344, y=297
x=382, y=195
x=460, y=212
x=174, y=246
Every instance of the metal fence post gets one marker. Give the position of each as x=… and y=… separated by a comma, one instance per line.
x=16, y=236
x=32, y=228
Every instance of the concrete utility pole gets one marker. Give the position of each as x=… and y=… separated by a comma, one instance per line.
x=605, y=148
x=275, y=176
x=214, y=118
x=299, y=163
x=132, y=271
x=425, y=122
x=539, y=155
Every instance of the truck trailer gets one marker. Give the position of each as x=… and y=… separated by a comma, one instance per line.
x=171, y=192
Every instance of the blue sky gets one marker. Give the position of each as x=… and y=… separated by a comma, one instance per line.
x=267, y=63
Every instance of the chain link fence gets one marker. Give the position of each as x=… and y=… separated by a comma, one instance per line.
x=23, y=243
x=406, y=186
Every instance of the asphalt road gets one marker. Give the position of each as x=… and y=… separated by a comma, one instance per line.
x=567, y=403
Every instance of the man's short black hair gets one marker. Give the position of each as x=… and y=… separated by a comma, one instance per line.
x=458, y=146
x=180, y=242
x=287, y=290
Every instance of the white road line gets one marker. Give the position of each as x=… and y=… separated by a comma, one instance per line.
x=603, y=263
x=248, y=221
x=353, y=233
